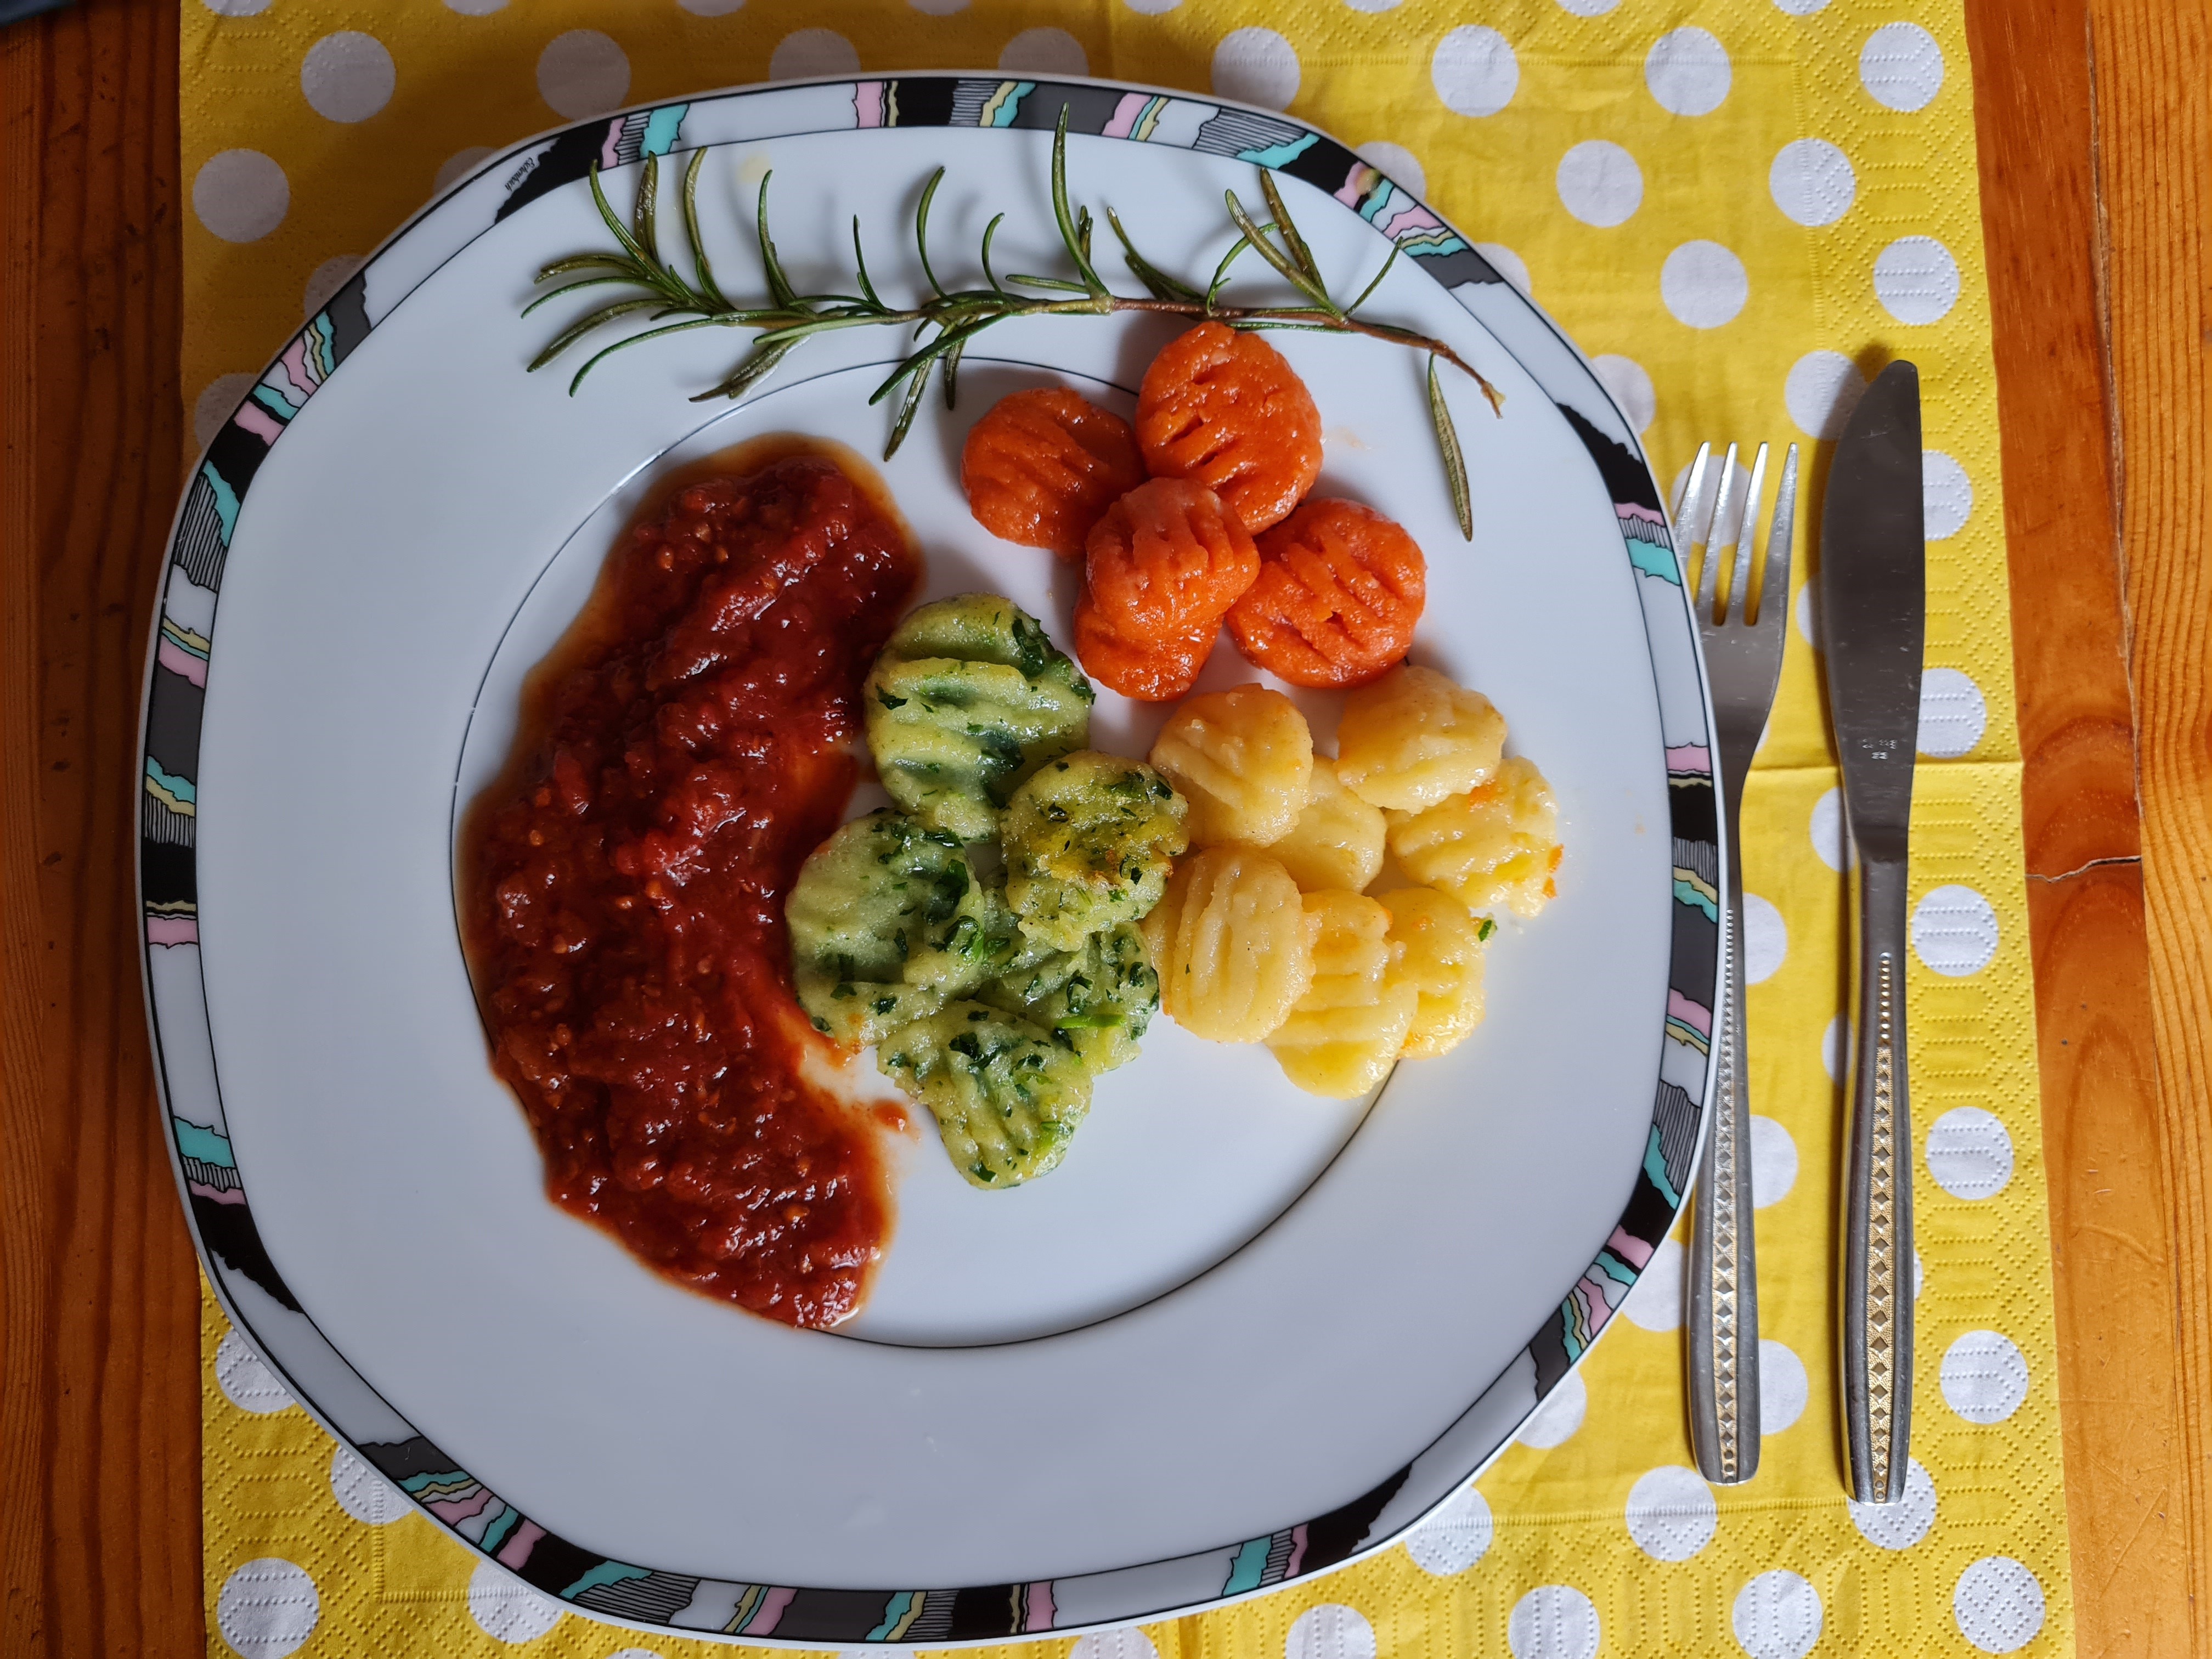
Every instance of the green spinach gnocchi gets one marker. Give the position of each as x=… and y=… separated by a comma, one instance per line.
x=968, y=698
x=1097, y=1000
x=888, y=920
x=993, y=988
x=1089, y=841
x=1006, y=1096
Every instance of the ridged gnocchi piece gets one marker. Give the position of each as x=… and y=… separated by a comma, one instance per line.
x=1346, y=1032
x=1233, y=945
x=1339, y=591
x=1044, y=464
x=1442, y=961
x=1224, y=408
x=1337, y=841
x=1498, y=844
x=1159, y=669
x=1098, y=1001
x=1167, y=558
x=1415, y=738
x=1244, y=759
x=1007, y=1097
x=968, y=698
x=887, y=920
x=1089, y=840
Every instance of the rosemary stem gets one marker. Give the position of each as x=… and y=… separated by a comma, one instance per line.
x=1106, y=305
x=957, y=315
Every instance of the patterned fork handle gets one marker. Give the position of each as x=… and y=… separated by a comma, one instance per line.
x=1743, y=662
x=1724, y=1312
x=1877, y=1348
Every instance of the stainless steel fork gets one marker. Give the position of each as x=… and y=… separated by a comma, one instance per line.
x=1743, y=662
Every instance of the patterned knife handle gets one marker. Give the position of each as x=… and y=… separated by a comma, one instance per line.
x=1723, y=1310
x=1877, y=1345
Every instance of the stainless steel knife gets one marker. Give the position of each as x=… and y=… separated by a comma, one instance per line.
x=1872, y=615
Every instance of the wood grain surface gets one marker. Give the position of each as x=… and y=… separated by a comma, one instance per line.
x=2043, y=130
x=2095, y=171
x=2152, y=62
x=100, y=1526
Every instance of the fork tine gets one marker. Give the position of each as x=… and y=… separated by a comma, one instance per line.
x=1777, y=585
x=1709, y=575
x=1746, y=540
x=1686, y=512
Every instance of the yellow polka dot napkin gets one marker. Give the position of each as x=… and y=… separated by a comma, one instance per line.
x=1740, y=208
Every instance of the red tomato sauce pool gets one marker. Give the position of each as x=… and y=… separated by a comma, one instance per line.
x=681, y=751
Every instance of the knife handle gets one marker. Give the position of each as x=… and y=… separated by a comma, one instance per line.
x=1877, y=1337
x=1724, y=1303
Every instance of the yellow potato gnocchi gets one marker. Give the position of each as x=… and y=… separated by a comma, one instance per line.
x=1441, y=959
x=1232, y=943
x=1414, y=739
x=1346, y=1032
x=1243, y=758
x=1498, y=844
x=1337, y=842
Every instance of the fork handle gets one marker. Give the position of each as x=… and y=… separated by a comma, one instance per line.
x=1877, y=1345
x=1723, y=1301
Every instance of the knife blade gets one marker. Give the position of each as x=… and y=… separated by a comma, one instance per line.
x=1874, y=619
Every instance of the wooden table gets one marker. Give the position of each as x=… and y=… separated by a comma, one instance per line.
x=2096, y=145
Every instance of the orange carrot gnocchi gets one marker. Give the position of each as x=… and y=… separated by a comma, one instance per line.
x=1223, y=408
x=1340, y=589
x=1167, y=557
x=1162, y=567
x=1043, y=465
x=1150, y=670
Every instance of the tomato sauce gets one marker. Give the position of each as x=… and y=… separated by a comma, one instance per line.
x=682, y=751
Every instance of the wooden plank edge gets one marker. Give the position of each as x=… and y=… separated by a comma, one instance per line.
x=2153, y=67
x=2113, y=1262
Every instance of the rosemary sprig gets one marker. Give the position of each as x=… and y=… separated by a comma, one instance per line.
x=947, y=318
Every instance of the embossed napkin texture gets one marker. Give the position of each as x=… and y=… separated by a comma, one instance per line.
x=1741, y=207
